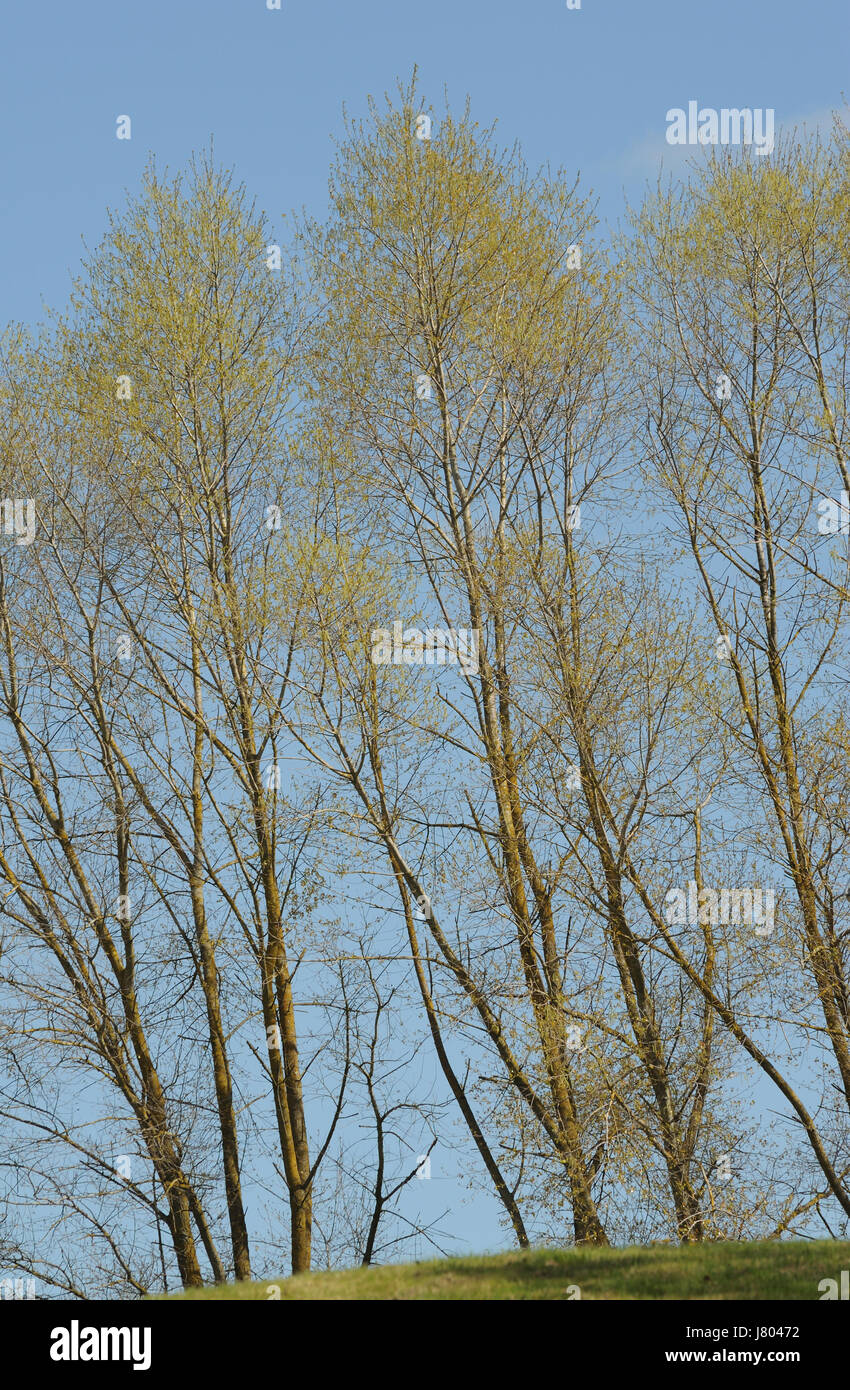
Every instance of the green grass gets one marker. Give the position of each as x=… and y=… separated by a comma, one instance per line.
x=721, y=1270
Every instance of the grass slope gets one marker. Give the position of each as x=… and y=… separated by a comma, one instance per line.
x=722, y=1270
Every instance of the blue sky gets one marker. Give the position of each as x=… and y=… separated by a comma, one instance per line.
x=586, y=89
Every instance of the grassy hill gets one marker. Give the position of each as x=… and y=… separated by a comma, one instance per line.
x=733, y=1270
